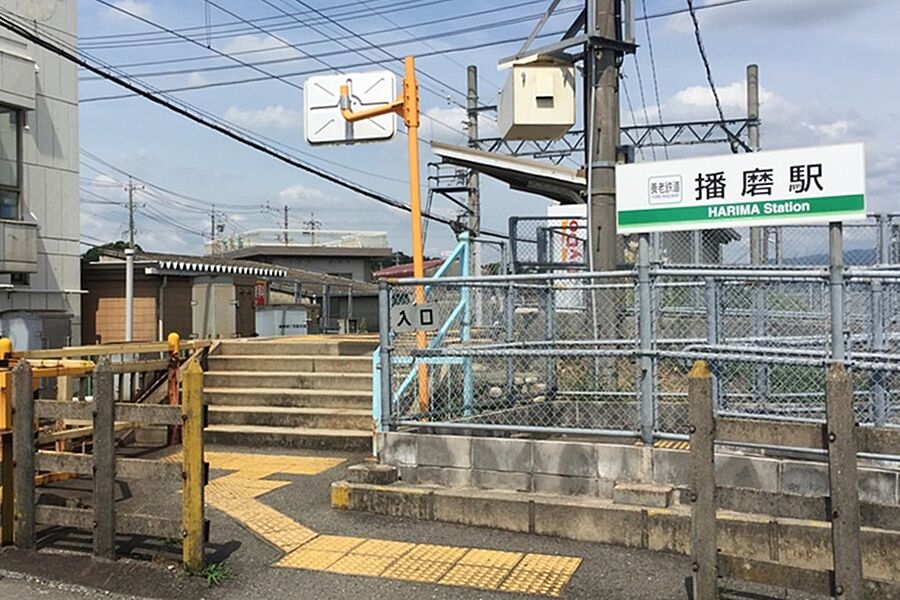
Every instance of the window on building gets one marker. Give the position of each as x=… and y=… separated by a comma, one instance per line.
x=10, y=162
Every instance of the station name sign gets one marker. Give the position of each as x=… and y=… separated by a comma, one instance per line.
x=779, y=187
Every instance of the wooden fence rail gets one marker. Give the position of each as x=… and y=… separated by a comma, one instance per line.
x=22, y=458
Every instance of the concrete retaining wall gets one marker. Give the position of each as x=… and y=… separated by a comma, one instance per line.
x=591, y=469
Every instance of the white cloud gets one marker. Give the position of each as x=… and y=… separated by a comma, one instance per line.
x=196, y=78
x=140, y=9
x=772, y=13
x=299, y=194
x=449, y=124
x=270, y=117
x=789, y=124
x=263, y=47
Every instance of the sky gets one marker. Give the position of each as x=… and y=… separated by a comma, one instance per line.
x=828, y=73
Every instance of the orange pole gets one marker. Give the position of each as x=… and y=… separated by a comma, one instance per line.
x=411, y=117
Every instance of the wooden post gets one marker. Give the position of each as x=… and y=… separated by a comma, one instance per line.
x=104, y=462
x=704, y=550
x=174, y=341
x=192, y=456
x=842, y=478
x=23, y=454
x=7, y=510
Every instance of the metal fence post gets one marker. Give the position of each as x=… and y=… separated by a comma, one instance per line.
x=23, y=454
x=513, y=244
x=878, y=378
x=510, y=338
x=884, y=239
x=842, y=478
x=104, y=455
x=704, y=555
x=193, y=483
x=712, y=331
x=645, y=331
x=550, y=336
x=384, y=335
x=836, y=289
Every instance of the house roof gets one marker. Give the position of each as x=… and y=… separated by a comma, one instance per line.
x=306, y=251
x=404, y=270
x=187, y=265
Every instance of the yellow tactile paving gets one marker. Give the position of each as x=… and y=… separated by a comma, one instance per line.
x=361, y=564
x=486, y=578
x=383, y=548
x=413, y=569
x=549, y=563
x=535, y=582
x=491, y=558
x=430, y=552
x=236, y=495
x=334, y=543
x=314, y=560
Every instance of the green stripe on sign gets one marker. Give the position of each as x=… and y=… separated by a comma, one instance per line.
x=765, y=209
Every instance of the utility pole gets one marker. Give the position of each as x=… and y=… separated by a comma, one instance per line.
x=129, y=266
x=286, y=224
x=473, y=182
x=601, y=74
x=212, y=224
x=312, y=225
x=757, y=234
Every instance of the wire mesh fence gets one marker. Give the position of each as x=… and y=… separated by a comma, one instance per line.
x=581, y=352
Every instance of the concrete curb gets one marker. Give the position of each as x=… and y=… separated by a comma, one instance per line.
x=792, y=543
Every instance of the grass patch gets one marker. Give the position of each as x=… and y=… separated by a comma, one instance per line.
x=214, y=574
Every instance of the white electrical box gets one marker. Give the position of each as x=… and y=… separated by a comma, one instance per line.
x=538, y=101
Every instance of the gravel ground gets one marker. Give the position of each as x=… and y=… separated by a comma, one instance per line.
x=607, y=572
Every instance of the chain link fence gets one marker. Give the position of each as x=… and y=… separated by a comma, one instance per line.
x=608, y=353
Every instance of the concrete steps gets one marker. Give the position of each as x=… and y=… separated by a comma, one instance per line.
x=260, y=436
x=287, y=397
x=309, y=363
x=289, y=416
x=316, y=345
x=311, y=392
x=358, y=382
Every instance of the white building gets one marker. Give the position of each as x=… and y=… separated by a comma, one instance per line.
x=39, y=205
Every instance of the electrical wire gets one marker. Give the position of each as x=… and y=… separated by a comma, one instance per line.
x=216, y=84
x=734, y=140
x=423, y=38
x=637, y=69
x=653, y=72
x=187, y=112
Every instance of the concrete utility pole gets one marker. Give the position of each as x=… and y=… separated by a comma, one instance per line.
x=129, y=267
x=602, y=109
x=757, y=234
x=473, y=182
x=212, y=223
x=286, y=224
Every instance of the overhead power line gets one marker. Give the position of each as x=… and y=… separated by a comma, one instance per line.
x=416, y=25
x=237, y=27
x=230, y=82
x=735, y=141
x=207, y=122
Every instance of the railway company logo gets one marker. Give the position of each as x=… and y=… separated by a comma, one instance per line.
x=665, y=189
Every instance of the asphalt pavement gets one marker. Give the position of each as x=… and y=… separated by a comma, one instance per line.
x=606, y=572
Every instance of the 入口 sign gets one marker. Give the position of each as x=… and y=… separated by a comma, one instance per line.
x=414, y=317
x=803, y=185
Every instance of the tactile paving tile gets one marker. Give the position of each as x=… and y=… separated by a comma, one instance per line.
x=486, y=578
x=549, y=563
x=334, y=543
x=413, y=569
x=491, y=558
x=535, y=582
x=431, y=552
x=361, y=564
x=383, y=548
x=313, y=560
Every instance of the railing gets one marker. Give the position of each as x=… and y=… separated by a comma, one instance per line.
x=457, y=314
x=97, y=420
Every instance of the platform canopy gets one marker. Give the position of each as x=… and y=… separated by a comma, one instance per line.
x=561, y=184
